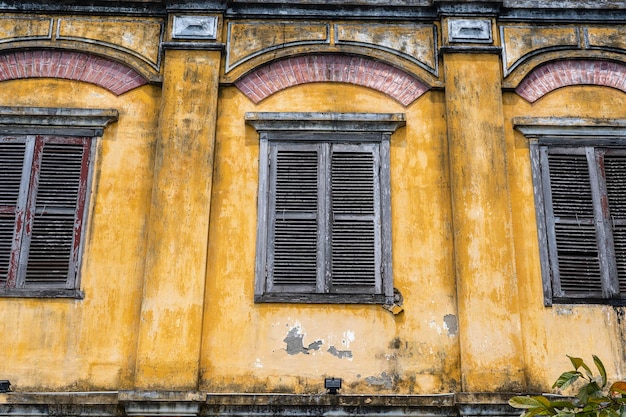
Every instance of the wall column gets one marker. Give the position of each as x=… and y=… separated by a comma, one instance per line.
x=488, y=309
x=168, y=351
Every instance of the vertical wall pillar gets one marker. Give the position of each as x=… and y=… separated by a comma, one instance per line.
x=168, y=351
x=488, y=307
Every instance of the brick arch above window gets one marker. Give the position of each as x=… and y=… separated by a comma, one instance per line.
x=366, y=72
x=557, y=74
x=70, y=65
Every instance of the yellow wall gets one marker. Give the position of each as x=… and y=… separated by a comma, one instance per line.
x=90, y=344
x=473, y=317
x=243, y=343
x=578, y=330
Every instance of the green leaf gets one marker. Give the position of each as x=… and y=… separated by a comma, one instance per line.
x=576, y=362
x=526, y=402
x=563, y=404
x=589, y=390
x=543, y=400
x=566, y=379
x=537, y=411
x=601, y=368
x=594, y=390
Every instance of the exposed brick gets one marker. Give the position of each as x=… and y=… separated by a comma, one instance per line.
x=280, y=75
x=559, y=74
x=105, y=73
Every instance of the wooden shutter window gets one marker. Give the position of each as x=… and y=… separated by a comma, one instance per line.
x=324, y=215
x=293, y=262
x=615, y=175
x=43, y=186
x=57, y=207
x=355, y=260
x=325, y=226
x=44, y=173
x=579, y=178
x=12, y=162
x=577, y=269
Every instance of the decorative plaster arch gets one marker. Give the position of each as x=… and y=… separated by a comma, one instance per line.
x=366, y=72
x=552, y=75
x=70, y=65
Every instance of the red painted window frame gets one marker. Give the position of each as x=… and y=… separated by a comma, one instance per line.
x=25, y=210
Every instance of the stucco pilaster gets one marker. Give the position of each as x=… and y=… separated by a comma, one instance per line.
x=486, y=280
x=175, y=264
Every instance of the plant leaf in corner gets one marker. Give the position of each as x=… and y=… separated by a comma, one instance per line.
x=566, y=379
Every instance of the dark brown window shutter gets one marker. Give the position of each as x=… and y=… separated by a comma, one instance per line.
x=294, y=207
x=353, y=221
x=574, y=227
x=615, y=174
x=58, y=204
x=12, y=162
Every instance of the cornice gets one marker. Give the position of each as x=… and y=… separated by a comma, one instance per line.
x=571, y=11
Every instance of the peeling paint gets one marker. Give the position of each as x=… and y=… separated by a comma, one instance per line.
x=315, y=345
x=348, y=337
x=295, y=345
x=451, y=323
x=433, y=325
x=340, y=353
x=564, y=311
x=384, y=380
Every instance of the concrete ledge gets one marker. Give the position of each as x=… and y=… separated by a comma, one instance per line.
x=202, y=404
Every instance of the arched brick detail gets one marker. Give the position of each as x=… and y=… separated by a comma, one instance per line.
x=115, y=77
x=553, y=75
x=366, y=72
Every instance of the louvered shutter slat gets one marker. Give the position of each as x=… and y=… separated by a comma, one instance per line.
x=353, y=230
x=294, y=262
x=54, y=223
x=11, y=161
x=576, y=242
x=615, y=174
x=579, y=266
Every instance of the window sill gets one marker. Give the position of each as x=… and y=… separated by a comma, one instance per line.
x=591, y=301
x=299, y=298
x=41, y=293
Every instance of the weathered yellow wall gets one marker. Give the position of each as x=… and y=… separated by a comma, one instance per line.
x=244, y=347
x=90, y=344
x=494, y=335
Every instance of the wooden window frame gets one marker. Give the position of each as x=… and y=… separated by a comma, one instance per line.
x=351, y=130
x=590, y=139
x=37, y=127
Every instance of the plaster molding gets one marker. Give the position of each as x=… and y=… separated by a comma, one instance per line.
x=194, y=27
x=325, y=122
x=527, y=46
x=137, y=37
x=251, y=44
x=66, y=121
x=551, y=130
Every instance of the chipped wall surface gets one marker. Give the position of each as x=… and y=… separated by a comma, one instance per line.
x=133, y=41
x=168, y=267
